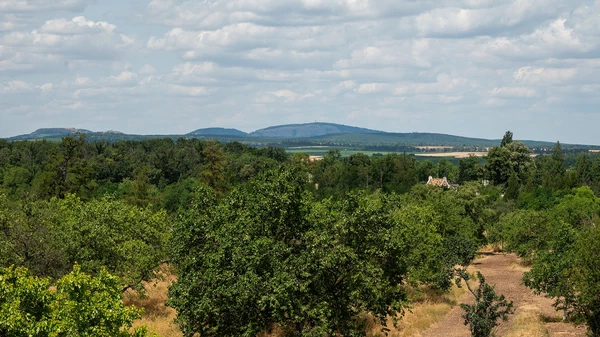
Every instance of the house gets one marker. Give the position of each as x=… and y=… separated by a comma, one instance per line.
x=441, y=182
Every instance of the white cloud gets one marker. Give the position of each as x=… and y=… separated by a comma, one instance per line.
x=14, y=87
x=544, y=76
x=371, y=88
x=42, y=5
x=513, y=92
x=188, y=90
x=147, y=70
x=125, y=77
x=60, y=41
x=46, y=87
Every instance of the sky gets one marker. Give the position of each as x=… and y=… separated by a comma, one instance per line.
x=474, y=68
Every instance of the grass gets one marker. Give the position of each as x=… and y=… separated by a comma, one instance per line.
x=157, y=316
x=428, y=308
x=527, y=322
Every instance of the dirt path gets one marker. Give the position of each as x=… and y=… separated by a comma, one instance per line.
x=504, y=271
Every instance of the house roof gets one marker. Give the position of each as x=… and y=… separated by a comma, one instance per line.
x=442, y=182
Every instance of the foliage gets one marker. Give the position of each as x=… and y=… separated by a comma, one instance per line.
x=568, y=272
x=80, y=305
x=469, y=169
x=501, y=162
x=483, y=315
x=129, y=241
x=526, y=231
x=309, y=267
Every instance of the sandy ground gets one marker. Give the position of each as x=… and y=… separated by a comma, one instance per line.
x=504, y=271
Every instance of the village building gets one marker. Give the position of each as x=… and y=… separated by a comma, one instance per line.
x=441, y=182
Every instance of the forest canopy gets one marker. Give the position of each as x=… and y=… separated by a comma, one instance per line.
x=306, y=245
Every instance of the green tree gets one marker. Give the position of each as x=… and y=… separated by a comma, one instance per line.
x=568, y=272
x=446, y=169
x=512, y=187
x=482, y=316
x=469, y=169
x=213, y=165
x=268, y=254
x=81, y=305
x=501, y=161
x=424, y=170
x=526, y=231
x=507, y=139
x=129, y=241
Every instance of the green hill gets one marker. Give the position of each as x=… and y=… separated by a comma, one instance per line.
x=49, y=133
x=309, y=130
x=218, y=132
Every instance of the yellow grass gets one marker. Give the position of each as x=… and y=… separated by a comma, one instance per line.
x=528, y=322
x=157, y=317
x=428, y=308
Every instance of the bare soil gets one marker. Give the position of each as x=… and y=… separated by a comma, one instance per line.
x=504, y=271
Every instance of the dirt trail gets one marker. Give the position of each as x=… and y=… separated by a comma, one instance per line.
x=504, y=271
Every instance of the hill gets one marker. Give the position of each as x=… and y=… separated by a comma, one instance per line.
x=320, y=135
x=218, y=132
x=44, y=133
x=309, y=130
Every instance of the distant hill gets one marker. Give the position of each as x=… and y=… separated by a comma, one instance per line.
x=311, y=135
x=218, y=132
x=44, y=133
x=308, y=130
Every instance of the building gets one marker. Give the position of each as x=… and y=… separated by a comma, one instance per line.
x=441, y=182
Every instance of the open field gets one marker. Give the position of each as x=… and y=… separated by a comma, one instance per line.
x=433, y=147
x=322, y=151
x=452, y=154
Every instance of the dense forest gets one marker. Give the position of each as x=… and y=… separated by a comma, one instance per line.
x=260, y=238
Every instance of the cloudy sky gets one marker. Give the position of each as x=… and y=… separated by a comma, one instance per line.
x=466, y=67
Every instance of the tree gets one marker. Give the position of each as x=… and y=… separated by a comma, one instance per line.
x=554, y=170
x=512, y=156
x=446, y=169
x=81, y=305
x=213, y=165
x=129, y=241
x=568, y=272
x=267, y=254
x=424, y=170
x=483, y=315
x=469, y=169
x=512, y=187
x=507, y=139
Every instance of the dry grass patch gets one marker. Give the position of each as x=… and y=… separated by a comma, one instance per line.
x=428, y=308
x=157, y=316
x=527, y=322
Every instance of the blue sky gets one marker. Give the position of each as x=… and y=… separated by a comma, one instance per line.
x=464, y=67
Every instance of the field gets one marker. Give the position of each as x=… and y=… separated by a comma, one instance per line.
x=451, y=154
x=322, y=151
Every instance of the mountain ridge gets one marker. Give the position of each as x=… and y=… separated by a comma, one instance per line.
x=310, y=134
x=217, y=131
x=307, y=130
